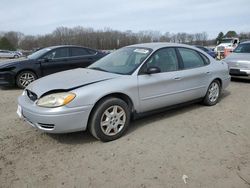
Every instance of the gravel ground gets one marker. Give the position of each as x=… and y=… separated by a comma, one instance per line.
x=210, y=145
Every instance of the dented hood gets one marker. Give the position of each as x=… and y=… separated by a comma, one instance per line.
x=68, y=80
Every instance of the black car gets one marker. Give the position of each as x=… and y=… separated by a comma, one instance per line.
x=46, y=61
x=207, y=50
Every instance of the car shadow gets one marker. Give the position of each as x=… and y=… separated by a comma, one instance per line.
x=9, y=88
x=163, y=115
x=82, y=137
x=240, y=80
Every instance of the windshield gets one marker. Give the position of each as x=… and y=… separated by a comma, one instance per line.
x=39, y=53
x=226, y=41
x=242, y=48
x=122, y=61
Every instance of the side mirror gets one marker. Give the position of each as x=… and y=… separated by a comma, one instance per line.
x=153, y=70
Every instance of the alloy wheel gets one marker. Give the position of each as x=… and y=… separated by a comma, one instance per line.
x=214, y=92
x=113, y=120
x=26, y=78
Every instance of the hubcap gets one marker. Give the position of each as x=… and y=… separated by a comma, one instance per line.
x=26, y=79
x=113, y=120
x=213, y=92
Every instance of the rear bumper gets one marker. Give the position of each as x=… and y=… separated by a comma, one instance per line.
x=7, y=78
x=54, y=120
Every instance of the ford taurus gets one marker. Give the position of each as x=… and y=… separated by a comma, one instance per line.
x=130, y=81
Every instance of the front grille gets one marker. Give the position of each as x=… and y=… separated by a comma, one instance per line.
x=46, y=126
x=32, y=96
x=220, y=48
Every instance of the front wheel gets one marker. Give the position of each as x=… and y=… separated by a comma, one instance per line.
x=24, y=78
x=213, y=93
x=110, y=119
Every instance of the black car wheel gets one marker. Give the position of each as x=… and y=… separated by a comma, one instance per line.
x=24, y=78
x=110, y=119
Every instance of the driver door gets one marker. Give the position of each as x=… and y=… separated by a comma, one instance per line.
x=160, y=89
x=55, y=61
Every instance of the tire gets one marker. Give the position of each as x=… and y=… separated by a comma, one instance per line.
x=16, y=56
x=213, y=93
x=24, y=78
x=105, y=123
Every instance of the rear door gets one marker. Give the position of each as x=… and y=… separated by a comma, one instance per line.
x=55, y=61
x=81, y=57
x=183, y=77
x=194, y=73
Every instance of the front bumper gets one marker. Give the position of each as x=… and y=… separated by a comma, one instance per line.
x=54, y=120
x=7, y=78
x=240, y=73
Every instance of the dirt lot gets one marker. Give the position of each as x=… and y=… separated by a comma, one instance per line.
x=210, y=145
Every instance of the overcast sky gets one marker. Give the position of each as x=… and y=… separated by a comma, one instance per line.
x=191, y=16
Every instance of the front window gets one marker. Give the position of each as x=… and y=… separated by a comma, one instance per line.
x=123, y=61
x=165, y=59
x=39, y=53
x=242, y=48
x=58, y=53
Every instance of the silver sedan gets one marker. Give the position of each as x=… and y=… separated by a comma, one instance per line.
x=239, y=61
x=133, y=80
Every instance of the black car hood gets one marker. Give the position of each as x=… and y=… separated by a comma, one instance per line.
x=12, y=62
x=68, y=80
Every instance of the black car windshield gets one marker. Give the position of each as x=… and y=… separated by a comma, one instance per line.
x=39, y=53
x=123, y=61
x=242, y=48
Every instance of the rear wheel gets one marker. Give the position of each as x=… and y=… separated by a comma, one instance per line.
x=110, y=119
x=24, y=78
x=213, y=93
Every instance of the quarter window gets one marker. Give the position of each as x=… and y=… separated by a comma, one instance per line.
x=190, y=58
x=165, y=59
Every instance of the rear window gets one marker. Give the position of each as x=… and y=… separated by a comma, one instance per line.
x=79, y=52
x=190, y=58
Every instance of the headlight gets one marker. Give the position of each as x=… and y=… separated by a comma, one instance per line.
x=56, y=100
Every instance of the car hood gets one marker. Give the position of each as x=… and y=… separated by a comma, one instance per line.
x=238, y=57
x=68, y=80
x=224, y=44
x=11, y=62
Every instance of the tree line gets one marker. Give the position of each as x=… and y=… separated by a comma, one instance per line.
x=104, y=39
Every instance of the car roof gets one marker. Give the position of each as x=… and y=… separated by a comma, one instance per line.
x=158, y=45
x=62, y=46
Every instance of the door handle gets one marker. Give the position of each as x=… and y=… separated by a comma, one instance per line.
x=208, y=72
x=177, y=78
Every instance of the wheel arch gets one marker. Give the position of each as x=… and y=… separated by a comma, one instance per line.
x=118, y=95
x=219, y=80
